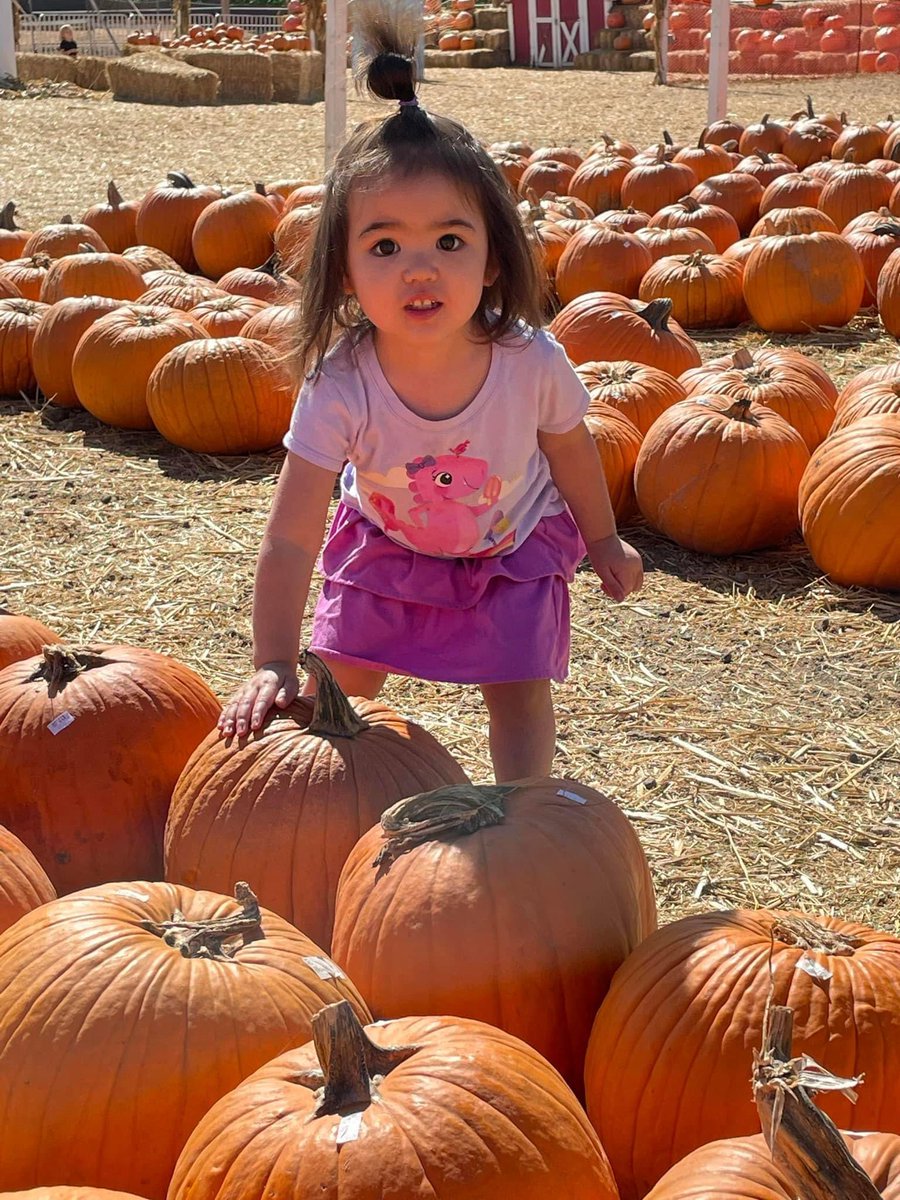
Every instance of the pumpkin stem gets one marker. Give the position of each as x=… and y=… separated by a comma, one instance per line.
x=113, y=195
x=765, y=120
x=457, y=810
x=667, y=137
x=689, y=203
x=66, y=219
x=894, y=155
x=810, y=935
x=891, y=228
x=7, y=217
x=60, y=666
x=84, y=248
x=696, y=259
x=810, y=111
x=742, y=359
x=179, y=179
x=657, y=313
x=333, y=715
x=804, y=1143
x=740, y=411
x=206, y=939
x=352, y=1065
x=701, y=140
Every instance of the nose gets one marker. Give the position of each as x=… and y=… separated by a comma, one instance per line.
x=419, y=267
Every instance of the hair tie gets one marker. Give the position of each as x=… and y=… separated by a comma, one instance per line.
x=414, y=103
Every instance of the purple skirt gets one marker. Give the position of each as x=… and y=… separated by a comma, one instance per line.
x=455, y=620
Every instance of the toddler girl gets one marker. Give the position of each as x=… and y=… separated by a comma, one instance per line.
x=471, y=487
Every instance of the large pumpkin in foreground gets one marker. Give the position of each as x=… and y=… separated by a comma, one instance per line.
x=92, y=741
x=794, y=283
x=743, y=1169
x=426, y=1107
x=126, y=1011
x=850, y=504
x=720, y=475
x=605, y=327
x=512, y=904
x=671, y=1052
x=23, y=881
x=287, y=805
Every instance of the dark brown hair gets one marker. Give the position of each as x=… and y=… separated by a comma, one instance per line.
x=408, y=143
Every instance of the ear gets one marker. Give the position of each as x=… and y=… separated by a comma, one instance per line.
x=491, y=274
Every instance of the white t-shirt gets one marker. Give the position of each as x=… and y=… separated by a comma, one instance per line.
x=469, y=485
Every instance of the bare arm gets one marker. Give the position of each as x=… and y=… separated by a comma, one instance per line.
x=578, y=473
x=284, y=568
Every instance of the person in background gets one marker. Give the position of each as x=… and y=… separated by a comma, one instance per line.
x=67, y=44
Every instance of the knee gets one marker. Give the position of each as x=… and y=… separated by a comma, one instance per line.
x=524, y=700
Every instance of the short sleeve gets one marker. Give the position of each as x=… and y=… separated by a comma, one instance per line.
x=563, y=399
x=323, y=428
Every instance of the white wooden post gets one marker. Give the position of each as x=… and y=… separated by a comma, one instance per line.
x=662, y=42
x=718, y=61
x=335, y=79
x=7, y=41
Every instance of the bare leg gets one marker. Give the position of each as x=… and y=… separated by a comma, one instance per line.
x=523, y=728
x=353, y=681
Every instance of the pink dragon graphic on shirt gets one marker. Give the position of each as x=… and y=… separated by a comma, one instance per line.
x=440, y=521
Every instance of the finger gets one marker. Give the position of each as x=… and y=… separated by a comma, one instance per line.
x=613, y=588
x=288, y=693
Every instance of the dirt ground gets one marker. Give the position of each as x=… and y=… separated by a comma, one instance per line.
x=743, y=711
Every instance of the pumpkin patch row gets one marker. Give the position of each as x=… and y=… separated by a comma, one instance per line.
x=249, y=1049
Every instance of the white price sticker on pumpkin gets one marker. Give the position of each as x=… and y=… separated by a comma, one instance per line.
x=572, y=796
x=323, y=967
x=348, y=1128
x=58, y=724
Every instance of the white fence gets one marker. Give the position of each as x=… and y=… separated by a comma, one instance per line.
x=104, y=33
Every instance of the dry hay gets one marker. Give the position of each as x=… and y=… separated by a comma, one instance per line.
x=244, y=76
x=158, y=79
x=298, y=76
x=743, y=711
x=58, y=67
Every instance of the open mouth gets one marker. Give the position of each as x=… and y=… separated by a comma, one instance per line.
x=423, y=306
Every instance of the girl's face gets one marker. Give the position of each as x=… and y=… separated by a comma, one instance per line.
x=417, y=258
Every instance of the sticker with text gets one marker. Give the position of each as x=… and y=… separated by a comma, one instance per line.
x=349, y=1127
x=572, y=796
x=58, y=724
x=323, y=967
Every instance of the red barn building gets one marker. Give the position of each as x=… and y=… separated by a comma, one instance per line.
x=549, y=33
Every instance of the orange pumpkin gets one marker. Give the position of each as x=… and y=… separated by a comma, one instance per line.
x=116, y=356
x=23, y=882
x=437, y=1106
x=874, y=236
x=687, y=213
x=12, y=239
x=598, y=181
x=618, y=441
x=848, y=502
x=852, y=190
x=194, y=991
x=601, y=326
x=685, y=1014
x=705, y=289
x=720, y=476
x=21, y=637
x=168, y=213
x=663, y=242
x=149, y=258
x=547, y=865
x=651, y=186
x=640, y=393
x=294, y=237
x=277, y=326
x=546, y=175
x=183, y=293
x=766, y=135
x=796, y=283
x=114, y=221
x=776, y=381
x=226, y=316
x=91, y=273
x=287, y=806
x=870, y=401
x=55, y=340
x=735, y=191
x=63, y=237
x=91, y=816
x=267, y=283
x=800, y=219
x=790, y=191
x=236, y=231
x=704, y=159
x=597, y=258
x=27, y=275
x=19, y=320
x=887, y=294
x=222, y=396
x=744, y=1169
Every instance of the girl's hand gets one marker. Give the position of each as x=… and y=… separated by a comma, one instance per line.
x=618, y=566
x=274, y=683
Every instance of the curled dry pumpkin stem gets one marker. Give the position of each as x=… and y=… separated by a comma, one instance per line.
x=810, y=935
x=333, y=715
x=113, y=195
x=7, y=217
x=458, y=810
x=351, y=1064
x=656, y=314
x=740, y=411
x=60, y=666
x=180, y=179
x=207, y=939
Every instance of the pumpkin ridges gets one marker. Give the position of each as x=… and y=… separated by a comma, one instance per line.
x=24, y=884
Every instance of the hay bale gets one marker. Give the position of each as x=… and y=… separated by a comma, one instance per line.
x=497, y=39
x=159, y=79
x=244, y=76
x=443, y=58
x=298, y=76
x=58, y=67
x=491, y=18
x=91, y=72
x=482, y=58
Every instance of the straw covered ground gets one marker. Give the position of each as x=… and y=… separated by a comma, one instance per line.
x=742, y=711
